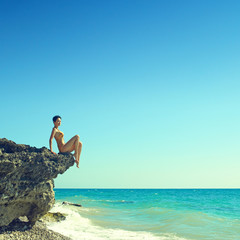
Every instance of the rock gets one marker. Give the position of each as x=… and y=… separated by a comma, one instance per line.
x=26, y=175
x=73, y=204
x=18, y=230
x=54, y=217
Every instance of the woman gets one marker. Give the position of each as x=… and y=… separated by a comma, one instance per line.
x=72, y=144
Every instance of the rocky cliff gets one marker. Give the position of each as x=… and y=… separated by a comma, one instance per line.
x=26, y=180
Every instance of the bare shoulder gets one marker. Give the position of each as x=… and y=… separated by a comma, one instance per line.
x=54, y=130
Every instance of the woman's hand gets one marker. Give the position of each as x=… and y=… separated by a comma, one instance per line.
x=53, y=152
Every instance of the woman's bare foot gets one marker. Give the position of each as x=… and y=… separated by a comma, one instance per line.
x=77, y=162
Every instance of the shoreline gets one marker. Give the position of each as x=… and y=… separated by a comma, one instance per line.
x=21, y=230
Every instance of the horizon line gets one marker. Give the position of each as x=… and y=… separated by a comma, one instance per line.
x=149, y=188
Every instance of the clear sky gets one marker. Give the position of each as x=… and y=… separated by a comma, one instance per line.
x=151, y=88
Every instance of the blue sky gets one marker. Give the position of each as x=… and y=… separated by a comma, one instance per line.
x=151, y=87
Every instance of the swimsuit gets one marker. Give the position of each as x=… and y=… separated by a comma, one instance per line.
x=58, y=139
x=60, y=135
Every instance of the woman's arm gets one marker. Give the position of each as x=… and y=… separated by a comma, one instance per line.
x=51, y=138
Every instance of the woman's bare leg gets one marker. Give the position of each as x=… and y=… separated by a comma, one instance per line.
x=72, y=144
x=79, y=151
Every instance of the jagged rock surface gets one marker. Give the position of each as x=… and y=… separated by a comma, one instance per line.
x=26, y=177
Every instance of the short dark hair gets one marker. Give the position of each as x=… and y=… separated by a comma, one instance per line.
x=55, y=118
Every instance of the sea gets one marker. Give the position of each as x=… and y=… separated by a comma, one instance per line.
x=148, y=214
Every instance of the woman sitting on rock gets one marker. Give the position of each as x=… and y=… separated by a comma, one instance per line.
x=72, y=144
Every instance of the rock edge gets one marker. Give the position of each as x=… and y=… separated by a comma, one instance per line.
x=27, y=175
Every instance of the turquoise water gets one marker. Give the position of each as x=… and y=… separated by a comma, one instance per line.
x=150, y=213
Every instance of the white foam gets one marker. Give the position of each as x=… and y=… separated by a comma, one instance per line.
x=77, y=227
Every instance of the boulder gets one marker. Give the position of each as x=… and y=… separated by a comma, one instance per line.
x=54, y=217
x=26, y=175
x=73, y=204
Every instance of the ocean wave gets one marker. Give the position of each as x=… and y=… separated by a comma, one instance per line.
x=107, y=201
x=116, y=201
x=78, y=227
